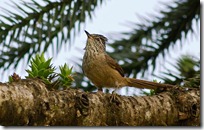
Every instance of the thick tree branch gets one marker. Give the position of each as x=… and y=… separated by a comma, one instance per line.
x=28, y=102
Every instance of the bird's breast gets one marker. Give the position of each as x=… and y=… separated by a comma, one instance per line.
x=99, y=72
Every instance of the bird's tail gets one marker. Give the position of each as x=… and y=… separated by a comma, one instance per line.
x=146, y=84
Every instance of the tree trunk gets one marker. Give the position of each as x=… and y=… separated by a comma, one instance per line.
x=28, y=102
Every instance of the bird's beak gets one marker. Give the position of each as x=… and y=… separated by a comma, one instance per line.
x=87, y=33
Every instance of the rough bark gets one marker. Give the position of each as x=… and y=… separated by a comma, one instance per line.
x=28, y=102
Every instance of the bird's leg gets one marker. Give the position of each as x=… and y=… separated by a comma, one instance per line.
x=114, y=94
x=100, y=89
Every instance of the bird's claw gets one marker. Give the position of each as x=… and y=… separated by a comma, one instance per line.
x=113, y=97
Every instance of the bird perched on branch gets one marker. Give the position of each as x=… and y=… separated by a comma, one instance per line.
x=103, y=71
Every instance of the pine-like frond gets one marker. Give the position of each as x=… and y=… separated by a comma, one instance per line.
x=37, y=26
x=155, y=36
x=187, y=72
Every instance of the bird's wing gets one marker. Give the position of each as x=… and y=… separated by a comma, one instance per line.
x=114, y=65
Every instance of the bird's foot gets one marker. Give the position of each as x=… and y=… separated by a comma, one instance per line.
x=100, y=90
x=113, y=97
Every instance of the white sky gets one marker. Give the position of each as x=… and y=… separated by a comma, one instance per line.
x=113, y=17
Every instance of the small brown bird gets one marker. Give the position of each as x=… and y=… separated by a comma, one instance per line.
x=103, y=71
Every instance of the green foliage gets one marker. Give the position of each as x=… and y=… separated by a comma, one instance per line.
x=187, y=66
x=10, y=79
x=187, y=74
x=154, y=36
x=65, y=76
x=36, y=26
x=41, y=68
x=193, y=82
x=150, y=93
